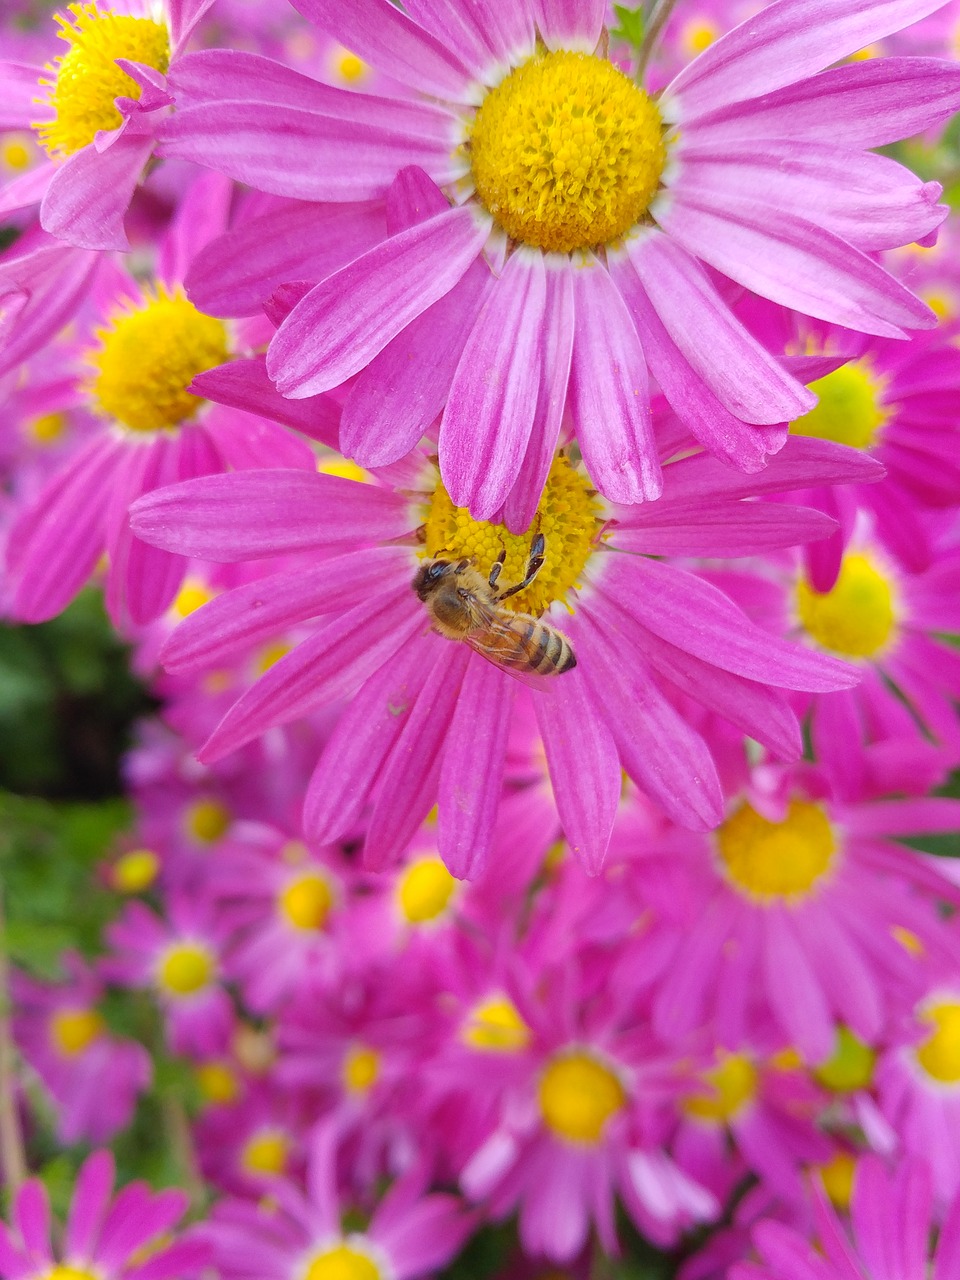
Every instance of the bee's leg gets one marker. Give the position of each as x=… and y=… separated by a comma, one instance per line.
x=534, y=565
x=497, y=566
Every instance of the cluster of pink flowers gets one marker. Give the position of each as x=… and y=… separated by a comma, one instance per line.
x=519, y=443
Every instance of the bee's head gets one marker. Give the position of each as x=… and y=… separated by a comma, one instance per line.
x=430, y=575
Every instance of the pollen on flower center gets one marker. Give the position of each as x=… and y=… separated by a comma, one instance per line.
x=567, y=152
x=185, y=969
x=849, y=409
x=86, y=79
x=569, y=517
x=149, y=355
x=73, y=1030
x=939, y=1054
x=495, y=1026
x=306, y=901
x=425, y=890
x=361, y=1068
x=266, y=1152
x=776, y=861
x=856, y=617
x=578, y=1096
x=343, y=1262
x=728, y=1087
x=207, y=820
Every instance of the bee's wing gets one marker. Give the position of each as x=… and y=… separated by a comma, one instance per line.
x=496, y=641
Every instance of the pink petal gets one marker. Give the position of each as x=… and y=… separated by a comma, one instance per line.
x=27, y=189
x=472, y=767
x=19, y=90
x=244, y=385
x=183, y=16
x=342, y=323
x=90, y=193
x=90, y=1199
x=493, y=398
x=733, y=529
x=609, y=395
x=571, y=24
x=201, y=216
x=31, y=1214
x=487, y=36
x=793, y=991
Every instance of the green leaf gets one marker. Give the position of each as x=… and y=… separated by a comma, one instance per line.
x=630, y=24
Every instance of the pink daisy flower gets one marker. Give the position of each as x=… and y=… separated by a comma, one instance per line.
x=136, y=377
x=891, y=1222
x=246, y=1145
x=428, y=718
x=561, y=226
x=95, y=106
x=93, y=1077
x=126, y=1239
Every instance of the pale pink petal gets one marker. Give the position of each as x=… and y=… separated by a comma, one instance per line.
x=471, y=770
x=845, y=978
x=571, y=24
x=793, y=991
x=90, y=193
x=244, y=442
x=609, y=394
x=794, y=262
x=342, y=323
x=19, y=89
x=787, y=41
x=680, y=1005
x=743, y=375
x=248, y=514
x=27, y=189
x=183, y=16
x=486, y=423
x=243, y=384
x=201, y=216
x=39, y=294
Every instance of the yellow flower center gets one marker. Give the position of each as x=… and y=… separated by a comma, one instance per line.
x=193, y=595
x=837, y=1178
x=566, y=152
x=939, y=1055
x=777, y=861
x=185, y=969
x=86, y=79
x=15, y=154
x=73, y=1030
x=47, y=429
x=305, y=902
x=347, y=67
x=850, y=1066
x=698, y=34
x=207, y=820
x=217, y=1082
x=343, y=1262
x=856, y=618
x=849, y=409
x=361, y=1068
x=730, y=1085
x=68, y=1273
x=424, y=890
x=495, y=1026
x=266, y=1153
x=135, y=871
x=569, y=517
x=578, y=1096
x=149, y=355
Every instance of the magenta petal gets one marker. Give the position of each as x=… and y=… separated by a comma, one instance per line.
x=331, y=664
x=19, y=89
x=90, y=1199
x=384, y=36
x=248, y=514
x=708, y=529
x=787, y=41
x=243, y=384
x=743, y=375
x=794, y=262
x=342, y=323
x=407, y=786
x=793, y=990
x=26, y=189
x=471, y=771
x=490, y=409
x=90, y=193
x=584, y=767
x=360, y=742
x=801, y=463
x=31, y=1213
x=40, y=293
x=235, y=274
x=609, y=394
x=184, y=16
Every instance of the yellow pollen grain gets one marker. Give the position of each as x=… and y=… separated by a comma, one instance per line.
x=193, y=595
x=579, y=1096
x=425, y=890
x=266, y=1153
x=837, y=1177
x=73, y=1030
x=86, y=79
x=361, y=1069
x=343, y=1262
x=776, y=861
x=856, y=618
x=185, y=968
x=495, y=1026
x=729, y=1087
x=149, y=355
x=217, y=1082
x=206, y=820
x=849, y=409
x=306, y=902
x=47, y=429
x=939, y=1054
x=569, y=517
x=135, y=871
x=850, y=1066
x=566, y=152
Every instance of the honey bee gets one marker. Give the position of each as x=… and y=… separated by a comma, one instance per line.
x=464, y=605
